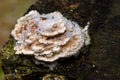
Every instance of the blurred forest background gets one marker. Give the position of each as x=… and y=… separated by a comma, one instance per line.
x=10, y=11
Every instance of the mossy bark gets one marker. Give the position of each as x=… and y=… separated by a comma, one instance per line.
x=98, y=61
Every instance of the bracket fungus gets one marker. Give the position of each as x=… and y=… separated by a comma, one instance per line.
x=54, y=77
x=48, y=36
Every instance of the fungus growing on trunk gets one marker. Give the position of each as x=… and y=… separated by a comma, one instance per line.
x=48, y=36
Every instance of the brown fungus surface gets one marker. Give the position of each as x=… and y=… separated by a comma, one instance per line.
x=54, y=77
x=48, y=36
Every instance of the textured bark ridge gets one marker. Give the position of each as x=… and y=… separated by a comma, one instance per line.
x=98, y=61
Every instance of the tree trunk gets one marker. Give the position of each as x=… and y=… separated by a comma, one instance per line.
x=98, y=61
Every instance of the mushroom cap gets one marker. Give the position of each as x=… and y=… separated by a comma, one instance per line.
x=48, y=36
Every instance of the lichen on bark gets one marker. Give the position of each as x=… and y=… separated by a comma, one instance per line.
x=8, y=49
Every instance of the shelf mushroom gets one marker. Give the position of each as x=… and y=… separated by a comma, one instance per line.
x=48, y=36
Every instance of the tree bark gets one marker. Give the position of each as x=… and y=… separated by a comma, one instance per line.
x=98, y=61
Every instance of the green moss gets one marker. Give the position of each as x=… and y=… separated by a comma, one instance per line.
x=1, y=74
x=8, y=50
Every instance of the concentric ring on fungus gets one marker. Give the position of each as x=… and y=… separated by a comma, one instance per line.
x=48, y=36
